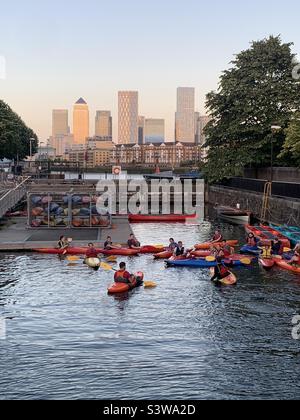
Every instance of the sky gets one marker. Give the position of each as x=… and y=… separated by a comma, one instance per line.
x=57, y=51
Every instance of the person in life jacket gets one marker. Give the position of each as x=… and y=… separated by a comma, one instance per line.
x=221, y=271
x=296, y=258
x=179, y=250
x=122, y=275
x=218, y=237
x=172, y=245
x=277, y=247
x=133, y=243
x=266, y=251
x=251, y=240
x=225, y=250
x=91, y=251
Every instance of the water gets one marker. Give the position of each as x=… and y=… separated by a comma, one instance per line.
x=185, y=339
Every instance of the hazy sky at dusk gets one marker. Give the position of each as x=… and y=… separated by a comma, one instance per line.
x=57, y=51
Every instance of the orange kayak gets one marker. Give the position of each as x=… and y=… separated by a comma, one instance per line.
x=201, y=254
x=163, y=255
x=230, y=280
x=118, y=288
x=286, y=266
x=208, y=245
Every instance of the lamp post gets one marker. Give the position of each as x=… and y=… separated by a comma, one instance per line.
x=275, y=129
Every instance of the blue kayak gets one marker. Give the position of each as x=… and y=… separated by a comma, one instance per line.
x=253, y=250
x=201, y=263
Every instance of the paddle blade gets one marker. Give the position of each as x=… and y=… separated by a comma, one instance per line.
x=210, y=259
x=111, y=259
x=246, y=261
x=150, y=284
x=286, y=250
x=73, y=258
x=105, y=266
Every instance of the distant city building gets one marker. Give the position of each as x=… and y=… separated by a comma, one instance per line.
x=164, y=154
x=60, y=122
x=141, y=130
x=61, y=143
x=81, y=122
x=197, y=128
x=128, y=118
x=185, y=115
x=94, y=154
x=103, y=124
x=99, y=143
x=154, y=131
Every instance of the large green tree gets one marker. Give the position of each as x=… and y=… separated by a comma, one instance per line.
x=15, y=136
x=291, y=145
x=257, y=92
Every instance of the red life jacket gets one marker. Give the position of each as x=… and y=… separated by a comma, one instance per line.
x=223, y=270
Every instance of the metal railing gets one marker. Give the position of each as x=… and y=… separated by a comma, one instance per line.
x=12, y=197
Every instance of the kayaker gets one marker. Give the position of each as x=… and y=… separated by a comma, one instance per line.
x=63, y=243
x=122, y=275
x=91, y=251
x=296, y=258
x=133, y=243
x=172, y=245
x=221, y=271
x=108, y=244
x=226, y=250
x=266, y=251
x=179, y=250
x=277, y=247
x=218, y=237
x=251, y=240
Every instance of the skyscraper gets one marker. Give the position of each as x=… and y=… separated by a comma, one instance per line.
x=141, y=128
x=128, y=117
x=103, y=125
x=60, y=122
x=154, y=131
x=185, y=115
x=81, y=121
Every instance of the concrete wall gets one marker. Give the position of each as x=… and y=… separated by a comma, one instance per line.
x=279, y=174
x=281, y=210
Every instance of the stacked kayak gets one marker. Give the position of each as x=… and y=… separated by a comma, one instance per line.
x=291, y=232
x=208, y=245
x=267, y=234
x=230, y=280
x=163, y=218
x=119, y=288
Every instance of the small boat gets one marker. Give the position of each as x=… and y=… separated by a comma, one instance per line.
x=234, y=215
x=151, y=249
x=230, y=280
x=202, y=263
x=83, y=251
x=267, y=263
x=163, y=255
x=208, y=245
x=161, y=218
x=119, y=288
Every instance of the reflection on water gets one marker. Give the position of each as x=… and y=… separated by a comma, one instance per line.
x=185, y=339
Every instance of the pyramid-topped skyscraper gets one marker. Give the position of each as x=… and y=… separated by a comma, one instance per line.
x=81, y=121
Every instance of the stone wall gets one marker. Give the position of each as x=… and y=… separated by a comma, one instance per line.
x=279, y=174
x=281, y=210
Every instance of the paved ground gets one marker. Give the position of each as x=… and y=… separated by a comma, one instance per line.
x=16, y=237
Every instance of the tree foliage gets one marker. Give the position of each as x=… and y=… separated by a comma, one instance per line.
x=256, y=93
x=14, y=135
x=292, y=141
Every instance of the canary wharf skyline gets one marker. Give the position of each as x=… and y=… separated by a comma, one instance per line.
x=56, y=52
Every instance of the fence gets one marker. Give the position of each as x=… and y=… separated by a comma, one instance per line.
x=280, y=189
x=12, y=197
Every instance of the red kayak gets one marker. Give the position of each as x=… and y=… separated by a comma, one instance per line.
x=286, y=266
x=118, y=288
x=83, y=251
x=208, y=245
x=150, y=249
x=267, y=263
x=163, y=218
x=201, y=254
